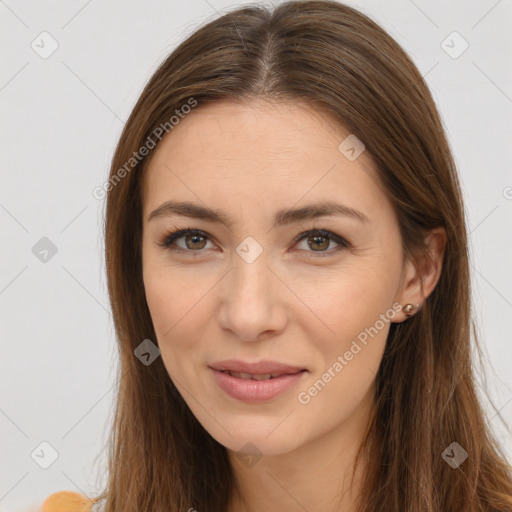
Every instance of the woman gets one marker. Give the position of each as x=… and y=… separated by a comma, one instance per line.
x=288, y=272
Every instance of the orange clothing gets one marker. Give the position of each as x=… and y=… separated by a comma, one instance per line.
x=66, y=501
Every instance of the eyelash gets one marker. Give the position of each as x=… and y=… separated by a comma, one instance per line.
x=168, y=240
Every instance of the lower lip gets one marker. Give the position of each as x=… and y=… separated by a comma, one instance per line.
x=250, y=390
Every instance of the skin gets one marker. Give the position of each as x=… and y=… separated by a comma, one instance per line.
x=290, y=305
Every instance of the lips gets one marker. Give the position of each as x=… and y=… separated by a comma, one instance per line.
x=245, y=369
x=256, y=382
x=262, y=376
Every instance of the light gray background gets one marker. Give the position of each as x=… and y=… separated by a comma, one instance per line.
x=61, y=118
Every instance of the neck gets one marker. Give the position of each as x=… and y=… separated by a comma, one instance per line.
x=314, y=476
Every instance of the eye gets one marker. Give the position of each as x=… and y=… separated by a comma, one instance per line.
x=195, y=240
x=320, y=239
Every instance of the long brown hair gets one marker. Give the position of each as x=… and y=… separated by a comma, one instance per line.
x=335, y=58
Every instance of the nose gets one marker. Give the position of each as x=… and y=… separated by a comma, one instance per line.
x=252, y=300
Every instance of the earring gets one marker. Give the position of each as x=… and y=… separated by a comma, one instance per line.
x=409, y=308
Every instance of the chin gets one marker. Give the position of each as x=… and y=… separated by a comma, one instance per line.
x=256, y=437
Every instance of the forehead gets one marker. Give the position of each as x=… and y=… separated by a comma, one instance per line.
x=258, y=150
x=226, y=130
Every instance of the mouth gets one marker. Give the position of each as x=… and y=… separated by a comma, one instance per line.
x=258, y=382
x=249, y=369
x=255, y=376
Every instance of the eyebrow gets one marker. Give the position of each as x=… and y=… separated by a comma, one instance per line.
x=282, y=217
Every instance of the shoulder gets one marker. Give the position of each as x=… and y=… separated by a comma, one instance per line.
x=67, y=501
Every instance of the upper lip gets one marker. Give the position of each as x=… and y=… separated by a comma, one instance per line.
x=255, y=368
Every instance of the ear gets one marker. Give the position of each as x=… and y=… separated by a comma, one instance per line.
x=421, y=274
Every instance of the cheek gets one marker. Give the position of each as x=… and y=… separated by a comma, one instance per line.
x=348, y=302
x=356, y=310
x=170, y=309
x=161, y=300
x=173, y=296
x=181, y=308
x=350, y=354
x=358, y=336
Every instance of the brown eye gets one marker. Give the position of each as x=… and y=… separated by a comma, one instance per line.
x=318, y=242
x=195, y=241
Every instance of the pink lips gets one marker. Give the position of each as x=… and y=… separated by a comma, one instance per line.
x=250, y=390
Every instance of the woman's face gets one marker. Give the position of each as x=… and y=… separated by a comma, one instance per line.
x=244, y=289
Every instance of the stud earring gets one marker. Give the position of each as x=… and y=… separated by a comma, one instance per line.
x=409, y=308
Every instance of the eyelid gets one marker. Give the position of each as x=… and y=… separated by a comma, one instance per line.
x=168, y=240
